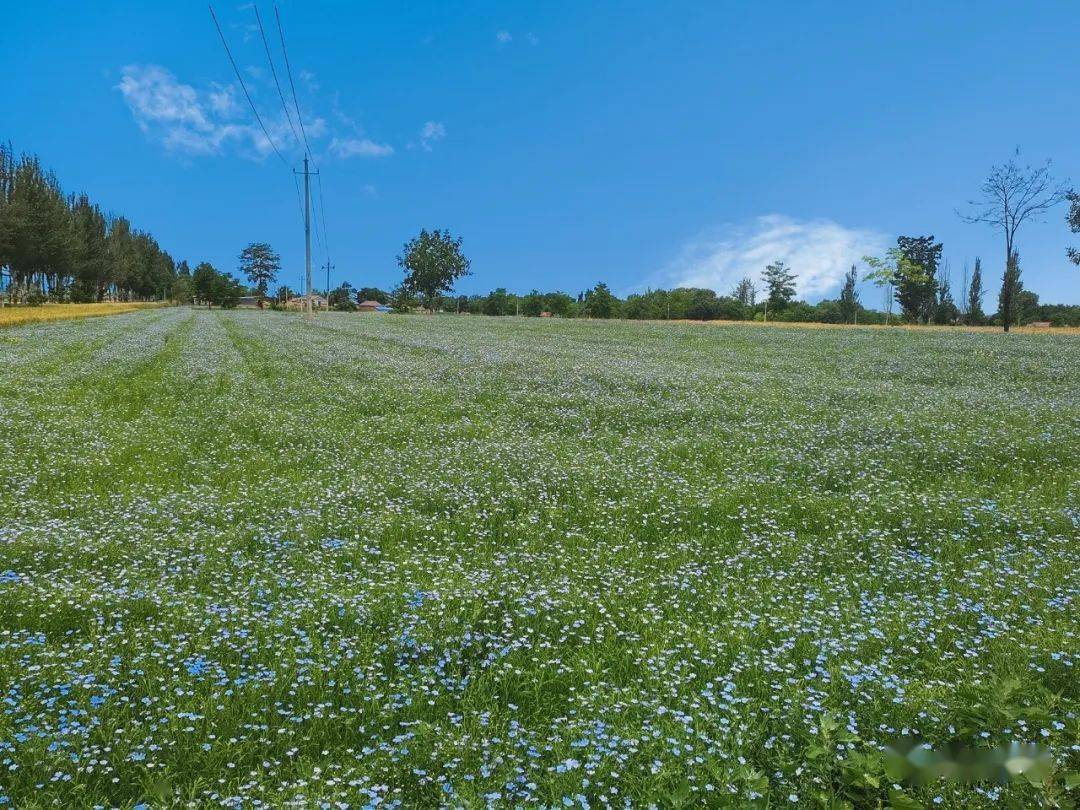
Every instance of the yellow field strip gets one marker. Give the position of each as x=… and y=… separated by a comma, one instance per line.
x=14, y=315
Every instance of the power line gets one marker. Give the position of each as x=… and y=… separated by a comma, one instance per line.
x=315, y=215
x=322, y=215
x=247, y=95
x=299, y=203
x=303, y=131
x=292, y=85
x=273, y=71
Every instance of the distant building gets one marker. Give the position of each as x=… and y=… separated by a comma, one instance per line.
x=369, y=306
x=300, y=301
x=1040, y=324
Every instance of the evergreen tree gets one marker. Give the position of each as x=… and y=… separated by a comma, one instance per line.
x=849, y=296
x=975, y=315
x=122, y=258
x=90, y=253
x=208, y=283
x=260, y=264
x=64, y=246
x=780, y=282
x=7, y=180
x=1011, y=287
x=35, y=230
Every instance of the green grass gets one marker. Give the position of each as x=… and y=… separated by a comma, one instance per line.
x=441, y=560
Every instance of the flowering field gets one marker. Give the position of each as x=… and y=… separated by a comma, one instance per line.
x=414, y=561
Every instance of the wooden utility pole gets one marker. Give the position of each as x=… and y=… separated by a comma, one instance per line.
x=309, y=302
x=307, y=238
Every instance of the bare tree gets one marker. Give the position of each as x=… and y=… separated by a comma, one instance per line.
x=1014, y=194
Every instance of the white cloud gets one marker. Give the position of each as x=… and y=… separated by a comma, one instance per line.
x=188, y=121
x=154, y=95
x=818, y=251
x=223, y=101
x=359, y=147
x=431, y=132
x=503, y=37
x=178, y=116
x=532, y=39
x=316, y=127
x=309, y=80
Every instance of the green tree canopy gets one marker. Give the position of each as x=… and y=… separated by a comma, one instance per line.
x=745, y=292
x=1011, y=287
x=64, y=247
x=260, y=264
x=780, y=282
x=976, y=292
x=432, y=262
x=849, y=296
x=372, y=294
x=600, y=302
x=916, y=282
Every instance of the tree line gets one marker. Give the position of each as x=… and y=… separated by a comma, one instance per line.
x=56, y=246
x=702, y=304
x=64, y=247
x=912, y=274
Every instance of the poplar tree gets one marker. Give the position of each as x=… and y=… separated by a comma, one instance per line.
x=849, y=296
x=975, y=296
x=1011, y=287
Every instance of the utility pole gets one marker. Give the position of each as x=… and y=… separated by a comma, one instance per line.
x=309, y=303
x=329, y=267
x=307, y=238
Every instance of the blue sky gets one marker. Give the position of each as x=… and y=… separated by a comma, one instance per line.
x=567, y=142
